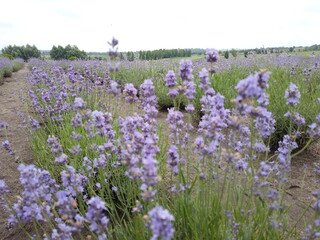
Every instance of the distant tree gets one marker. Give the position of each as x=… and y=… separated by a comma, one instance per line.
x=226, y=54
x=121, y=56
x=24, y=52
x=58, y=53
x=246, y=52
x=130, y=56
x=234, y=52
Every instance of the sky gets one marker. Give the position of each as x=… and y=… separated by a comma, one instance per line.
x=166, y=24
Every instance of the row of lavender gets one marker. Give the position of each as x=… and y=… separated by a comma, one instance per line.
x=8, y=66
x=303, y=71
x=100, y=175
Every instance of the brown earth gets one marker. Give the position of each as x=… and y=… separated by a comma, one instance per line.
x=301, y=183
x=10, y=94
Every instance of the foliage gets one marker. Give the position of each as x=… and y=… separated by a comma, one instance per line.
x=7, y=55
x=226, y=54
x=73, y=58
x=130, y=56
x=59, y=53
x=24, y=52
x=164, y=53
x=234, y=52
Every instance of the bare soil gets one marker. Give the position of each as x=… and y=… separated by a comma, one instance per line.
x=10, y=93
x=301, y=183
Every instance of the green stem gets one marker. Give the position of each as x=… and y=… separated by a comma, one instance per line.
x=302, y=149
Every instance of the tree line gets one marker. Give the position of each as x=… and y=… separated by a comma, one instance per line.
x=68, y=52
x=163, y=53
x=24, y=52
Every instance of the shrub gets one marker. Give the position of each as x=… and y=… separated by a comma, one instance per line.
x=73, y=58
x=7, y=55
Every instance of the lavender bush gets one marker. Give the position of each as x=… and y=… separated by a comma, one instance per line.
x=101, y=174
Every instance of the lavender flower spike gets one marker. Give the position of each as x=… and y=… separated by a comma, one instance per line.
x=161, y=223
x=130, y=92
x=292, y=95
x=96, y=217
x=171, y=80
x=212, y=55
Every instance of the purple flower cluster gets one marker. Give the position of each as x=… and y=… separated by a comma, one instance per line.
x=212, y=55
x=170, y=79
x=37, y=196
x=204, y=80
x=96, y=216
x=296, y=118
x=73, y=182
x=138, y=152
x=70, y=221
x=160, y=223
x=292, y=95
x=314, y=128
x=186, y=70
x=79, y=103
x=148, y=98
x=130, y=92
x=284, y=157
x=6, y=145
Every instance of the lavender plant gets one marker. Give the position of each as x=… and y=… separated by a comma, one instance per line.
x=104, y=176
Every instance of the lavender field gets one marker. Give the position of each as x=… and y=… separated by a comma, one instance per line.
x=218, y=166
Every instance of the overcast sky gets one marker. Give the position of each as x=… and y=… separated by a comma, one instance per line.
x=149, y=24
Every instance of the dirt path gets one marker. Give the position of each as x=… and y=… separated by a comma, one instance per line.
x=10, y=93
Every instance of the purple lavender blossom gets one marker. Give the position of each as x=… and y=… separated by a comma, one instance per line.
x=76, y=136
x=149, y=175
x=173, y=158
x=3, y=187
x=314, y=130
x=4, y=125
x=171, y=80
x=98, y=118
x=148, y=98
x=284, y=157
x=130, y=92
x=79, y=103
x=96, y=217
x=190, y=90
x=189, y=108
x=173, y=93
x=101, y=161
x=204, y=79
x=316, y=204
x=264, y=123
x=70, y=221
x=114, y=88
x=73, y=182
x=6, y=145
x=76, y=120
x=62, y=159
x=34, y=123
x=160, y=223
x=292, y=95
x=212, y=55
x=186, y=70
x=54, y=145
x=36, y=199
x=296, y=117
x=265, y=169
x=249, y=87
x=76, y=149
x=260, y=147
